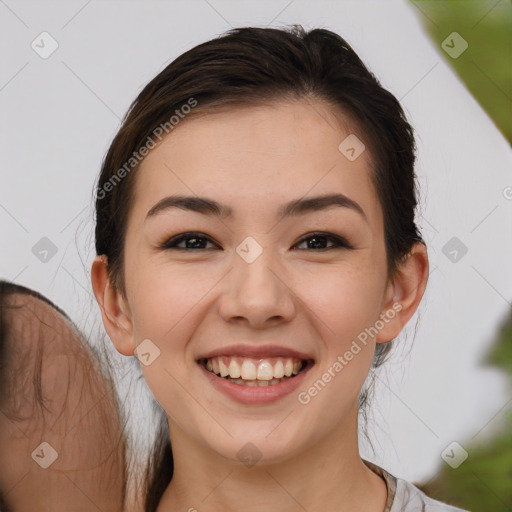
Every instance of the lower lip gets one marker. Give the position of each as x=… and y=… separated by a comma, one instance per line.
x=255, y=394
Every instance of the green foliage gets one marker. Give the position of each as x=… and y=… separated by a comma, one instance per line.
x=482, y=483
x=486, y=66
x=501, y=354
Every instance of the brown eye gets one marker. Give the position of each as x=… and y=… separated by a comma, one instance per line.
x=319, y=240
x=191, y=241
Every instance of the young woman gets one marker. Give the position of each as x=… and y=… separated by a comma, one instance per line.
x=257, y=251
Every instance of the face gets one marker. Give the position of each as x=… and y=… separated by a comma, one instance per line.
x=235, y=279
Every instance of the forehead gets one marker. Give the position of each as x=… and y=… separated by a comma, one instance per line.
x=264, y=155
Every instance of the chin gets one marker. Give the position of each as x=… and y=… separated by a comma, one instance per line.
x=258, y=449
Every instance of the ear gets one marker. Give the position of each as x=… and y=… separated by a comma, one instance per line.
x=115, y=312
x=404, y=292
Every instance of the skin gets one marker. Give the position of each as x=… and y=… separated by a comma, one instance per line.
x=76, y=419
x=187, y=303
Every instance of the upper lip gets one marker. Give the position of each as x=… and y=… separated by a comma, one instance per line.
x=256, y=352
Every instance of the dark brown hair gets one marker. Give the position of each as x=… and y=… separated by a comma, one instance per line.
x=71, y=403
x=249, y=66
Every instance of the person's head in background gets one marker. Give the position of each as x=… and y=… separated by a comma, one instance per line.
x=62, y=446
x=292, y=176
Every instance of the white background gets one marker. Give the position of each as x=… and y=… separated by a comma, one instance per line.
x=58, y=116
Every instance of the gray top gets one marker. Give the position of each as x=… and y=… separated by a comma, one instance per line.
x=406, y=497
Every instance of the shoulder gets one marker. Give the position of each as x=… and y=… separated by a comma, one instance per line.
x=409, y=498
x=403, y=496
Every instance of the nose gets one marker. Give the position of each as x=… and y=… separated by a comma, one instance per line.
x=257, y=294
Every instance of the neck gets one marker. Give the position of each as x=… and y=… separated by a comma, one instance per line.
x=329, y=475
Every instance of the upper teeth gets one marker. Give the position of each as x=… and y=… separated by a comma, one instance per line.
x=254, y=369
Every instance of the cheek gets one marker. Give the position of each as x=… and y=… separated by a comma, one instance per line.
x=344, y=300
x=164, y=308
x=163, y=298
x=344, y=305
x=167, y=305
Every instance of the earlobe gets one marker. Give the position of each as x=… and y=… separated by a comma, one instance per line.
x=404, y=293
x=114, y=310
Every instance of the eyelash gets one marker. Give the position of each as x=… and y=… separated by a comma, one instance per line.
x=339, y=242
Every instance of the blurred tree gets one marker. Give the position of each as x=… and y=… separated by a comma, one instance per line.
x=486, y=65
x=482, y=483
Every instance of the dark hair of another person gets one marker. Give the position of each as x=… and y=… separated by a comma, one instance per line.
x=257, y=66
x=29, y=340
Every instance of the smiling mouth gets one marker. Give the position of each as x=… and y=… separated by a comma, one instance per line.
x=247, y=371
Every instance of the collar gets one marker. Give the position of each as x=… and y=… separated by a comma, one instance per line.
x=390, y=483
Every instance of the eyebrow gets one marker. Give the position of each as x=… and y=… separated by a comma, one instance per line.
x=293, y=208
